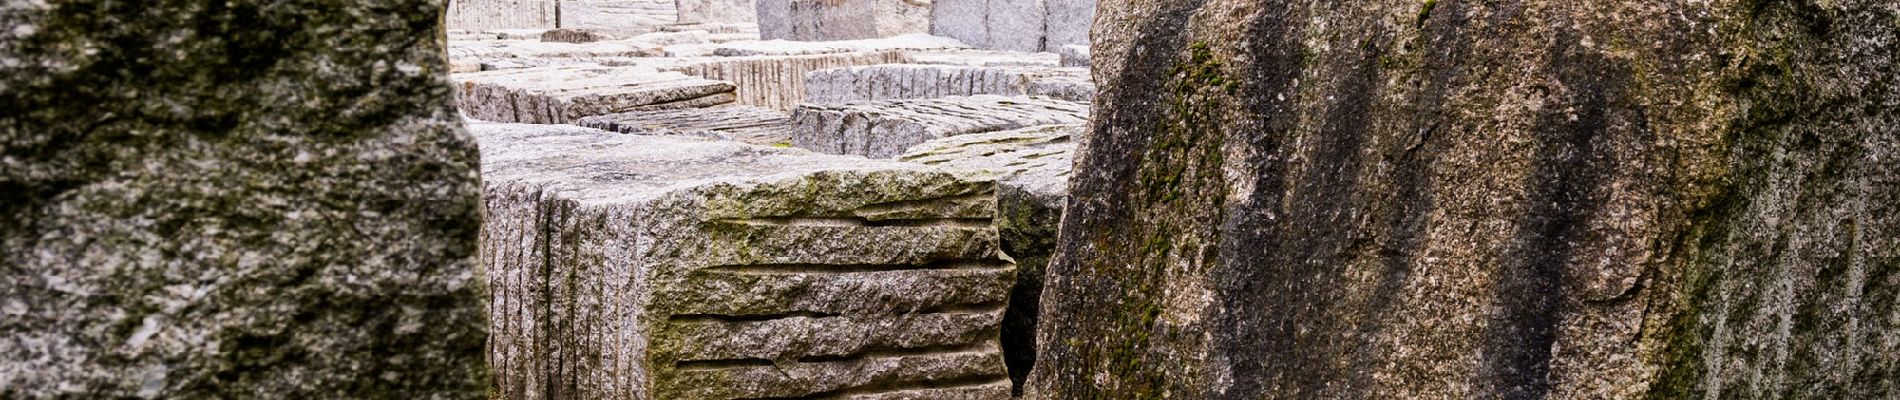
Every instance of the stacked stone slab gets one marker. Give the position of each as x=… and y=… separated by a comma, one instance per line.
x=1014, y=25
x=984, y=58
x=821, y=20
x=1031, y=167
x=753, y=125
x=625, y=15
x=718, y=12
x=776, y=82
x=559, y=95
x=191, y=208
x=912, y=81
x=1074, y=55
x=886, y=128
x=501, y=14
x=649, y=267
x=617, y=14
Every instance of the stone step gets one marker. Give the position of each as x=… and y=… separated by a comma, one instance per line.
x=558, y=95
x=887, y=128
x=742, y=123
x=912, y=81
x=655, y=267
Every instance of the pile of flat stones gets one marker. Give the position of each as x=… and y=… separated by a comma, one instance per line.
x=719, y=199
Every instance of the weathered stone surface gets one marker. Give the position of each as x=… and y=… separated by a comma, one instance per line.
x=1540, y=199
x=1073, y=55
x=252, y=198
x=886, y=128
x=1066, y=22
x=617, y=14
x=775, y=19
x=1013, y=25
x=910, y=81
x=1031, y=168
x=984, y=58
x=543, y=53
x=559, y=95
x=649, y=267
x=501, y=14
x=789, y=48
x=965, y=20
x=776, y=82
x=718, y=12
x=576, y=35
x=820, y=20
x=760, y=126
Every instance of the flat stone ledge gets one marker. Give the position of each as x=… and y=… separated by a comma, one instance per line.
x=887, y=128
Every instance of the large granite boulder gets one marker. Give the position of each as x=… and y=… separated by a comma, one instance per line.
x=1539, y=199
x=564, y=94
x=649, y=267
x=1031, y=168
x=242, y=199
x=887, y=128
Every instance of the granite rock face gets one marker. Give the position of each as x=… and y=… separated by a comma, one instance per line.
x=912, y=81
x=1542, y=199
x=616, y=14
x=251, y=198
x=1067, y=22
x=1031, y=167
x=648, y=267
x=1074, y=55
x=1013, y=25
x=820, y=20
x=886, y=128
x=501, y=14
x=754, y=125
x=776, y=82
x=559, y=95
x=718, y=12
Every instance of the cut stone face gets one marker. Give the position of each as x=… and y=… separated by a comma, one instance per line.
x=819, y=20
x=914, y=81
x=718, y=12
x=1074, y=55
x=557, y=95
x=886, y=128
x=1066, y=22
x=753, y=125
x=984, y=58
x=251, y=199
x=1031, y=167
x=501, y=14
x=648, y=267
x=617, y=14
x=776, y=82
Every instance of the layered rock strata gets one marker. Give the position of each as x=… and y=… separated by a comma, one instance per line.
x=559, y=95
x=1031, y=167
x=886, y=128
x=648, y=267
x=754, y=125
x=911, y=81
x=1440, y=199
x=253, y=198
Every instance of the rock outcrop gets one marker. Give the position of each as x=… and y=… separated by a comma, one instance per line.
x=1541, y=199
x=559, y=95
x=252, y=198
x=914, y=81
x=647, y=267
x=1031, y=168
x=752, y=125
x=886, y=128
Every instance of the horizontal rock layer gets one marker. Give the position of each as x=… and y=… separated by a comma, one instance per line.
x=886, y=128
x=645, y=267
x=747, y=124
x=775, y=82
x=910, y=81
x=558, y=95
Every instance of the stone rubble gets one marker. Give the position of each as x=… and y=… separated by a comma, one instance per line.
x=559, y=95
x=887, y=128
x=653, y=267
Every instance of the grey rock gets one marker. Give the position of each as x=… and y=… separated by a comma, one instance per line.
x=718, y=12
x=1012, y=25
x=775, y=19
x=822, y=20
x=618, y=14
x=1074, y=55
x=1534, y=200
x=253, y=199
x=909, y=81
x=558, y=95
x=501, y=14
x=775, y=82
x=1067, y=22
x=654, y=267
x=983, y=58
x=754, y=125
x=886, y=128
x=920, y=42
x=575, y=35
x=1031, y=167
x=965, y=20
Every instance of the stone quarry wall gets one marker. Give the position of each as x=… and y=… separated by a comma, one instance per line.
x=887, y=128
x=1545, y=199
x=911, y=81
x=819, y=20
x=501, y=14
x=1014, y=25
x=621, y=15
x=257, y=198
x=643, y=267
x=777, y=82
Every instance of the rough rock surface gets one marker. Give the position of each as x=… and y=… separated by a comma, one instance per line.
x=617, y=14
x=559, y=95
x=776, y=82
x=1031, y=167
x=916, y=41
x=910, y=81
x=650, y=267
x=1013, y=25
x=821, y=20
x=254, y=198
x=886, y=128
x=754, y=125
x=576, y=35
x=717, y=12
x=1066, y=22
x=983, y=58
x=1074, y=55
x=501, y=14
x=1530, y=200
